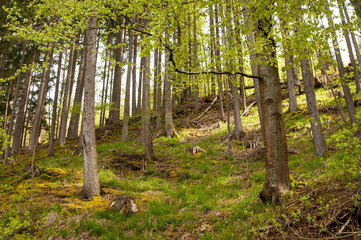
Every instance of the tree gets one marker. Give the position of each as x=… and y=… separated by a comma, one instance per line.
x=91, y=179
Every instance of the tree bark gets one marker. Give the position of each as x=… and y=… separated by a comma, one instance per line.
x=67, y=95
x=277, y=172
x=157, y=81
x=140, y=87
x=195, y=56
x=91, y=180
x=127, y=89
x=114, y=113
x=353, y=37
x=213, y=43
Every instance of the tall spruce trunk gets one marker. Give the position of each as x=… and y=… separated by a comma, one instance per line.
x=35, y=131
x=114, y=113
x=67, y=95
x=127, y=89
x=23, y=101
x=277, y=181
x=55, y=108
x=319, y=142
x=91, y=180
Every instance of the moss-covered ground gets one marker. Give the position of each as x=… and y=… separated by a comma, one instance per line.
x=184, y=196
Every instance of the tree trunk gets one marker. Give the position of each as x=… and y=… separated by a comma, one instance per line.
x=35, y=131
x=213, y=43
x=127, y=89
x=55, y=108
x=67, y=95
x=102, y=105
x=276, y=160
x=353, y=37
x=195, y=56
x=168, y=125
x=24, y=97
x=91, y=180
x=356, y=74
x=218, y=66
x=134, y=76
x=73, y=130
x=114, y=113
x=146, y=121
x=316, y=126
x=159, y=90
x=346, y=90
x=140, y=90
x=14, y=106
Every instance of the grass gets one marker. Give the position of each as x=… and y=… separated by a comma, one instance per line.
x=203, y=196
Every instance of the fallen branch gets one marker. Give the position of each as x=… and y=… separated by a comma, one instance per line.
x=245, y=111
x=213, y=102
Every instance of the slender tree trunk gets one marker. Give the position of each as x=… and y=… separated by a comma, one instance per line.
x=213, y=43
x=195, y=56
x=35, y=131
x=134, y=76
x=66, y=100
x=356, y=74
x=168, y=125
x=73, y=130
x=106, y=92
x=55, y=109
x=348, y=97
x=317, y=132
x=156, y=81
x=238, y=132
x=218, y=66
x=276, y=156
x=146, y=121
x=229, y=146
x=254, y=65
x=114, y=113
x=23, y=101
x=159, y=92
x=127, y=90
x=91, y=180
x=102, y=109
x=140, y=90
x=66, y=59
x=14, y=106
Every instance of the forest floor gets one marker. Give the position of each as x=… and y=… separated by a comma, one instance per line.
x=181, y=195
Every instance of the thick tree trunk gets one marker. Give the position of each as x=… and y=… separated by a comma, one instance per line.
x=55, y=109
x=114, y=113
x=356, y=74
x=91, y=180
x=277, y=181
x=319, y=142
x=35, y=131
x=127, y=89
x=348, y=97
x=67, y=95
x=73, y=130
x=24, y=97
x=146, y=121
